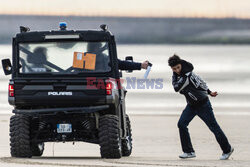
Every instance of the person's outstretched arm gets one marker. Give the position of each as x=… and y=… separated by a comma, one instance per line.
x=127, y=65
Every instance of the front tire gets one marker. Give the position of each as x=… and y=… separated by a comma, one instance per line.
x=109, y=137
x=20, y=136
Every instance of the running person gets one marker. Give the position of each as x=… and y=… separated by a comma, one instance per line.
x=196, y=92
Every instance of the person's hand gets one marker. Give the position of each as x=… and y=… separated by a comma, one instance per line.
x=213, y=94
x=144, y=65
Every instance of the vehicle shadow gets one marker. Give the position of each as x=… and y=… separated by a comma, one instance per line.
x=65, y=158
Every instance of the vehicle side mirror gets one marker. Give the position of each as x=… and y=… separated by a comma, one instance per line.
x=129, y=58
x=7, y=68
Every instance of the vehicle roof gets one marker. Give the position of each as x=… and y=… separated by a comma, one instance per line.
x=84, y=35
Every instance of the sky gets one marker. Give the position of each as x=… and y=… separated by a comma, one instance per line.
x=130, y=8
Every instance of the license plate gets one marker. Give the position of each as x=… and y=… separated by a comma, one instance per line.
x=64, y=128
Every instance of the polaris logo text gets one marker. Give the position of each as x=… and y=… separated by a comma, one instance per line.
x=60, y=93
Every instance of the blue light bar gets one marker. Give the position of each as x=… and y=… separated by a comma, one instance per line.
x=63, y=25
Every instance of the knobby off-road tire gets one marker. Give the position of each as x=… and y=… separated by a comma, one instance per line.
x=109, y=137
x=127, y=143
x=37, y=149
x=20, y=136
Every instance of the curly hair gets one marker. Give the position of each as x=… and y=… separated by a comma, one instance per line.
x=174, y=60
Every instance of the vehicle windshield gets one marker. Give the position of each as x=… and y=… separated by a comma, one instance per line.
x=64, y=57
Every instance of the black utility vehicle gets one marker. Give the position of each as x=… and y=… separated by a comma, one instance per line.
x=65, y=87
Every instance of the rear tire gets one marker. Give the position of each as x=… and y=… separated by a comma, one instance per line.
x=37, y=149
x=127, y=143
x=20, y=136
x=109, y=137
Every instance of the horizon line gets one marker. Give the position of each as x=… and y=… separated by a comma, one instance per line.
x=127, y=16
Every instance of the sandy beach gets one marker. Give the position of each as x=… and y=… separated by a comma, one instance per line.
x=154, y=113
x=156, y=143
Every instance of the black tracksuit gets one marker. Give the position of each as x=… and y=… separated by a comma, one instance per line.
x=196, y=93
x=190, y=85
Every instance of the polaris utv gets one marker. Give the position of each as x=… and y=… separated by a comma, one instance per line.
x=65, y=87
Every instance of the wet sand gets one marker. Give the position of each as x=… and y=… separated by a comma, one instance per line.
x=156, y=143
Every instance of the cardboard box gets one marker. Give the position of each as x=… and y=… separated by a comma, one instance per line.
x=84, y=60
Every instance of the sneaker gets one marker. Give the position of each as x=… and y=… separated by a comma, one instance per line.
x=187, y=155
x=226, y=156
